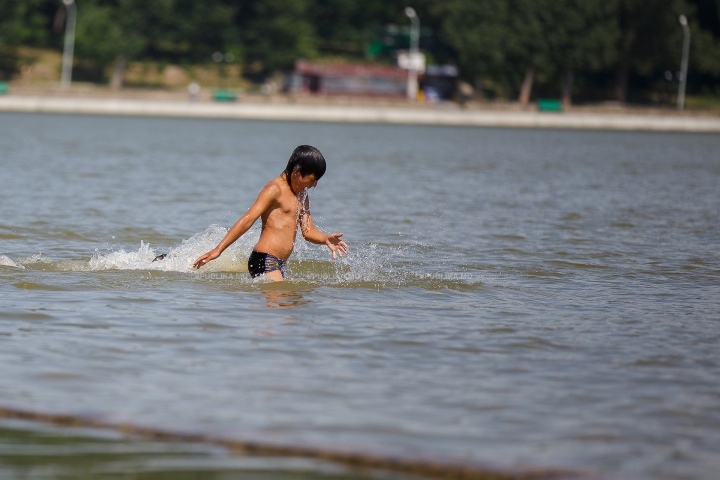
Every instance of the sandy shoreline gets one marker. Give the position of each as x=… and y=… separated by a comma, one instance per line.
x=389, y=114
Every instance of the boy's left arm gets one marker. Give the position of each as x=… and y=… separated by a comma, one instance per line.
x=313, y=235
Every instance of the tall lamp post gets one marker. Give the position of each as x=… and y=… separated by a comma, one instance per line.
x=684, y=62
x=66, y=77
x=412, y=85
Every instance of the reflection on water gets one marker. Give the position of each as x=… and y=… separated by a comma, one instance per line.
x=286, y=297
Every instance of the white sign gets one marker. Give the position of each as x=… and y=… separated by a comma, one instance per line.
x=416, y=62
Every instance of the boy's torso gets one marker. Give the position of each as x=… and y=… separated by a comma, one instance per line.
x=279, y=222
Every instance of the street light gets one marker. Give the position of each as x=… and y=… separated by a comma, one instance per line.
x=69, y=44
x=684, y=62
x=412, y=85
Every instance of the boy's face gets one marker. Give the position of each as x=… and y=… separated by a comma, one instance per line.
x=303, y=182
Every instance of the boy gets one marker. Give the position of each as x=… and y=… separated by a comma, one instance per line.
x=283, y=205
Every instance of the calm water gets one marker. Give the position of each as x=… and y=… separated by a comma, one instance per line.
x=514, y=298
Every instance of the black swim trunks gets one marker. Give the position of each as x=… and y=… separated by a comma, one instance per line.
x=260, y=263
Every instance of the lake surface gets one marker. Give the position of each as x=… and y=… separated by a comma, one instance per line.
x=513, y=298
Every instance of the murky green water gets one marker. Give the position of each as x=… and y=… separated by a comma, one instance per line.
x=515, y=298
x=28, y=451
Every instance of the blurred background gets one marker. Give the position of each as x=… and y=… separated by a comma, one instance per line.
x=580, y=51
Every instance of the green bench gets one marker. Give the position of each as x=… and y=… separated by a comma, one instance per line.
x=4, y=88
x=222, y=95
x=549, y=105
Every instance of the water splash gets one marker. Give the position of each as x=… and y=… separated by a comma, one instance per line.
x=31, y=261
x=378, y=266
x=6, y=262
x=368, y=265
x=181, y=258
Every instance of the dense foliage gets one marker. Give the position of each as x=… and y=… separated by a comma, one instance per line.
x=598, y=49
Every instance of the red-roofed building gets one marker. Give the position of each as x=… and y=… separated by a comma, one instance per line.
x=347, y=79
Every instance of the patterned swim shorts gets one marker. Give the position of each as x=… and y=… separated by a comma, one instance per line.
x=261, y=263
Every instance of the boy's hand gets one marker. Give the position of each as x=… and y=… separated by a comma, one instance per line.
x=211, y=255
x=336, y=246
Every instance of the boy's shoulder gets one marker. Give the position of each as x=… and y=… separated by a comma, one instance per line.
x=275, y=187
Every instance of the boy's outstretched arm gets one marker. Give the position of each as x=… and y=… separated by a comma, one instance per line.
x=265, y=198
x=313, y=235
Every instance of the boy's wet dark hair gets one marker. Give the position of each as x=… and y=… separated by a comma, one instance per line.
x=307, y=160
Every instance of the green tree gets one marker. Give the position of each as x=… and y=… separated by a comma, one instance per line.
x=515, y=43
x=113, y=32
x=8, y=42
x=526, y=44
x=277, y=32
x=506, y=37
x=347, y=27
x=476, y=29
x=580, y=36
x=105, y=35
x=648, y=31
x=343, y=26
x=704, y=19
x=22, y=22
x=651, y=40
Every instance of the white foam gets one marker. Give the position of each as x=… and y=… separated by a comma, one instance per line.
x=37, y=258
x=178, y=259
x=6, y=262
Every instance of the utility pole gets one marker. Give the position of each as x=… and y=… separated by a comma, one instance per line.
x=684, y=62
x=412, y=85
x=66, y=77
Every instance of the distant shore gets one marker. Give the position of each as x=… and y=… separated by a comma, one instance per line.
x=353, y=111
